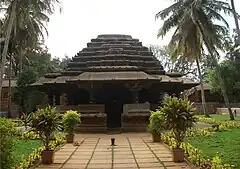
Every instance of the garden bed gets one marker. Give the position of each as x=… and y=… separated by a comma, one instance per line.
x=23, y=148
x=226, y=143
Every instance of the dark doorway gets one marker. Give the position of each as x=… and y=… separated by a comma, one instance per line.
x=114, y=97
x=114, y=113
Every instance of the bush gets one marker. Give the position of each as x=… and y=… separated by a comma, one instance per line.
x=7, y=131
x=179, y=117
x=45, y=122
x=29, y=135
x=156, y=124
x=208, y=120
x=70, y=120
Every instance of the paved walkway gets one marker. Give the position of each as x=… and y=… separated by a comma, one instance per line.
x=131, y=151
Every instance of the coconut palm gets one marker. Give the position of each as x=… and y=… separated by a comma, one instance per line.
x=25, y=21
x=236, y=21
x=194, y=30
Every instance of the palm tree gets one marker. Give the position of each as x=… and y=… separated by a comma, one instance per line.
x=185, y=42
x=25, y=21
x=236, y=22
x=194, y=29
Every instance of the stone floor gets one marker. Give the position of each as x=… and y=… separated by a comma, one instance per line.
x=132, y=150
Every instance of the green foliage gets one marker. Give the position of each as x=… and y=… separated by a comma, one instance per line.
x=45, y=122
x=156, y=124
x=25, y=96
x=230, y=72
x=29, y=135
x=23, y=148
x=34, y=158
x=7, y=131
x=206, y=119
x=222, y=147
x=25, y=119
x=70, y=120
x=179, y=116
x=209, y=143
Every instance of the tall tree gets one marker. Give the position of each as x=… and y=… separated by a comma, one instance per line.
x=25, y=21
x=195, y=28
x=235, y=15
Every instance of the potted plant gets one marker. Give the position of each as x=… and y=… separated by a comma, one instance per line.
x=156, y=125
x=70, y=120
x=179, y=117
x=45, y=122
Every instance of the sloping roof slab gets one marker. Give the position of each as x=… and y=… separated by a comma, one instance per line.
x=109, y=76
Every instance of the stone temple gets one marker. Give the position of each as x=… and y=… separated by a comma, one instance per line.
x=114, y=83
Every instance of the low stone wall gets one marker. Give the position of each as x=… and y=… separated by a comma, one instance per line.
x=236, y=111
x=211, y=107
x=217, y=108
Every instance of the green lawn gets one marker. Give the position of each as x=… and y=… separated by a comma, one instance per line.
x=23, y=148
x=227, y=143
x=220, y=118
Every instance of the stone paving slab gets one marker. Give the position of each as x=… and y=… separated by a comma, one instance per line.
x=132, y=150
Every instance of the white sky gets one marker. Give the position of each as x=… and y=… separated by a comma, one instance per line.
x=82, y=20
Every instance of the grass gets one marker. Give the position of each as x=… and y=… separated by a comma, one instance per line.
x=226, y=143
x=23, y=148
x=220, y=118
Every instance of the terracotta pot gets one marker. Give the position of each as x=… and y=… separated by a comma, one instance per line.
x=47, y=156
x=156, y=137
x=178, y=155
x=70, y=138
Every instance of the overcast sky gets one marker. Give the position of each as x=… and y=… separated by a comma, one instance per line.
x=82, y=20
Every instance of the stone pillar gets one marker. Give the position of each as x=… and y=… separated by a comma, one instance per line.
x=63, y=99
x=91, y=92
x=135, y=95
x=54, y=100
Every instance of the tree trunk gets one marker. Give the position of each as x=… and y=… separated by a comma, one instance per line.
x=6, y=44
x=204, y=105
x=236, y=22
x=21, y=61
x=220, y=79
x=10, y=87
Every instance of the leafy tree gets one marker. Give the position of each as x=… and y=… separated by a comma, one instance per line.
x=195, y=28
x=58, y=65
x=24, y=22
x=25, y=95
x=231, y=76
x=25, y=78
x=181, y=65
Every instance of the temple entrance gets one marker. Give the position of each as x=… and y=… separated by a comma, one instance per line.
x=114, y=114
x=114, y=98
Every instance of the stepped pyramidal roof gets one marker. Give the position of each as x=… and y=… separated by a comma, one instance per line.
x=113, y=57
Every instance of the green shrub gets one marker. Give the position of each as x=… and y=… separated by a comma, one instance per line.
x=179, y=117
x=70, y=120
x=29, y=135
x=156, y=124
x=45, y=122
x=7, y=132
x=208, y=120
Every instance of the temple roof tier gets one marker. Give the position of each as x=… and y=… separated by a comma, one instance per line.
x=113, y=57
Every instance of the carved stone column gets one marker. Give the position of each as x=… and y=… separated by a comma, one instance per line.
x=63, y=99
x=54, y=100
x=91, y=92
x=135, y=94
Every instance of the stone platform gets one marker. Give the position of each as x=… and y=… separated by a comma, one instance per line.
x=132, y=150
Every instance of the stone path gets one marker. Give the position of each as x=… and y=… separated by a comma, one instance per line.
x=131, y=151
